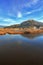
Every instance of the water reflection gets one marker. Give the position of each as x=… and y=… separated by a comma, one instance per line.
x=21, y=49
x=32, y=36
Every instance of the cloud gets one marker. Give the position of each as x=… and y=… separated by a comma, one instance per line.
x=30, y=12
x=41, y=17
x=19, y=14
x=4, y=24
x=7, y=21
x=30, y=3
x=35, y=1
x=41, y=20
x=11, y=13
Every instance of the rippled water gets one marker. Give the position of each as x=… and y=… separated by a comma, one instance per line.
x=21, y=49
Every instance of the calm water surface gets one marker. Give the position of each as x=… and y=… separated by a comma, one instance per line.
x=21, y=49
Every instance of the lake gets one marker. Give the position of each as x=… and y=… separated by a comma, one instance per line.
x=24, y=49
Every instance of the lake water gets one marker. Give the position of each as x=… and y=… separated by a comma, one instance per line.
x=24, y=49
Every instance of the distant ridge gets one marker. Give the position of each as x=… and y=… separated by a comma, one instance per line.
x=1, y=26
x=26, y=24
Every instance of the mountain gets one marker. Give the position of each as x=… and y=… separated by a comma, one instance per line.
x=1, y=26
x=25, y=24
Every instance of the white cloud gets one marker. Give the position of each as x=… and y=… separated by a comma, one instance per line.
x=11, y=14
x=8, y=21
x=4, y=24
x=19, y=14
x=30, y=3
x=35, y=1
x=28, y=13
x=41, y=20
x=39, y=9
x=40, y=17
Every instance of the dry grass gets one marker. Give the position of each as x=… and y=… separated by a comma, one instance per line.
x=19, y=31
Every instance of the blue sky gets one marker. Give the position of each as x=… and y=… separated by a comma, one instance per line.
x=17, y=11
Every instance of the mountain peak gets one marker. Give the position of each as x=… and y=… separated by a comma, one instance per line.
x=28, y=23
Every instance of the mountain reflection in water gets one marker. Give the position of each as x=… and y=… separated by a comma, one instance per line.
x=26, y=49
x=32, y=36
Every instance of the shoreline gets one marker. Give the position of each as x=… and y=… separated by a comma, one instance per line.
x=4, y=31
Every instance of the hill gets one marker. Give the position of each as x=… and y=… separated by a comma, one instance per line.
x=1, y=26
x=26, y=24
